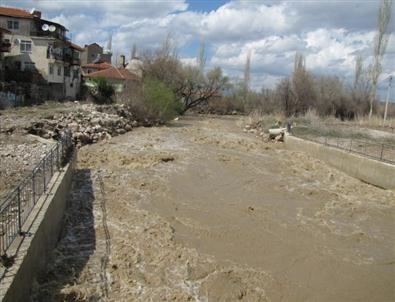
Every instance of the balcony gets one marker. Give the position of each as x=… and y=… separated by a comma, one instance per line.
x=59, y=52
x=55, y=57
x=56, y=34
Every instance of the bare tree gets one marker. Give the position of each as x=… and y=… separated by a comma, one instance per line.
x=387, y=99
x=191, y=87
x=361, y=89
x=302, y=88
x=197, y=90
x=358, y=71
x=380, y=45
x=283, y=92
x=247, y=75
x=201, y=59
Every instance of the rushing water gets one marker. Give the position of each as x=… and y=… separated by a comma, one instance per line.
x=203, y=212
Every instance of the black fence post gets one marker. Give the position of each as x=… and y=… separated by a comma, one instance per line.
x=44, y=174
x=34, y=186
x=51, y=161
x=19, y=211
x=57, y=156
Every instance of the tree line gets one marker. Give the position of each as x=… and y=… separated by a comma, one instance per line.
x=169, y=87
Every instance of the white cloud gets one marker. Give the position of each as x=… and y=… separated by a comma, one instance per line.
x=131, y=8
x=239, y=21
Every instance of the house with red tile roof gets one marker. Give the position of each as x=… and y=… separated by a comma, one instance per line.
x=42, y=47
x=118, y=77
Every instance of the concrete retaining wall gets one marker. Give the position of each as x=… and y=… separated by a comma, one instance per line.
x=371, y=171
x=43, y=227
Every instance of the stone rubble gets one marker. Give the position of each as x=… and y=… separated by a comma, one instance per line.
x=89, y=125
x=260, y=131
x=19, y=158
x=26, y=139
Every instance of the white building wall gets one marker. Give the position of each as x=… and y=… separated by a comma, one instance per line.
x=38, y=56
x=24, y=25
x=73, y=83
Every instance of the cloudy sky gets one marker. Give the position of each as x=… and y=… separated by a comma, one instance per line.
x=329, y=33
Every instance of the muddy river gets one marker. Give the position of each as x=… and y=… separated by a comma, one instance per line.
x=200, y=211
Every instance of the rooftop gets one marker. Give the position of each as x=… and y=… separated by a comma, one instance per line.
x=100, y=66
x=21, y=13
x=113, y=73
x=15, y=12
x=75, y=46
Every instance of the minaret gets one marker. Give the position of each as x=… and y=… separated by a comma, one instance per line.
x=109, y=44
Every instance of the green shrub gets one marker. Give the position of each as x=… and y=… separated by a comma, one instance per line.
x=102, y=92
x=151, y=102
x=160, y=100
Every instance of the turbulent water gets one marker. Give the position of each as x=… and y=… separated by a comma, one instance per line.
x=200, y=211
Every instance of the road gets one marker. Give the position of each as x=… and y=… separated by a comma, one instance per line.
x=200, y=211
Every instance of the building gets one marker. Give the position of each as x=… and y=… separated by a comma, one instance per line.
x=41, y=47
x=135, y=66
x=119, y=78
x=5, y=46
x=94, y=53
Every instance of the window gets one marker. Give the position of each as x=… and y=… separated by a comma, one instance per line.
x=76, y=73
x=29, y=66
x=59, y=70
x=12, y=24
x=50, y=68
x=26, y=46
x=66, y=71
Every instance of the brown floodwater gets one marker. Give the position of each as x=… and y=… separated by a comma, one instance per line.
x=321, y=235
x=200, y=211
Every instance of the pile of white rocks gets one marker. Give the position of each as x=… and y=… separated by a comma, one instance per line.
x=88, y=125
x=255, y=129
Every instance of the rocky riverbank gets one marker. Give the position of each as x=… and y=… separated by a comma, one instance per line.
x=26, y=134
x=88, y=125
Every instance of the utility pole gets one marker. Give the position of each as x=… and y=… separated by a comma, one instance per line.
x=388, y=98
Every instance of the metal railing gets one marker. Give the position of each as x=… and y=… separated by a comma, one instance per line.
x=18, y=204
x=374, y=150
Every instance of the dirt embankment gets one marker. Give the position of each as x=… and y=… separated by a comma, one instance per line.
x=200, y=211
x=26, y=134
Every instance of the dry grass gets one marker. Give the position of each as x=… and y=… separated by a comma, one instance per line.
x=375, y=122
x=312, y=125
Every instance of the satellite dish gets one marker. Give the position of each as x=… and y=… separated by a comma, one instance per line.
x=45, y=27
x=17, y=41
x=52, y=28
x=32, y=10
